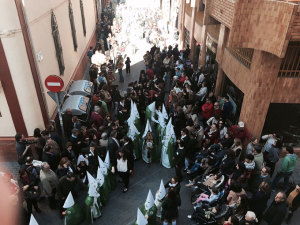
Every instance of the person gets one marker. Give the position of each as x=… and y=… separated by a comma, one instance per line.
x=90, y=53
x=214, y=194
x=170, y=207
x=227, y=108
x=159, y=198
x=259, y=161
x=264, y=176
x=96, y=116
x=259, y=200
x=240, y=131
x=250, y=218
x=127, y=63
x=123, y=165
x=120, y=65
x=179, y=159
x=92, y=158
x=273, y=155
x=173, y=183
x=293, y=200
x=30, y=190
x=235, y=192
x=276, y=212
x=287, y=167
x=22, y=147
x=38, y=146
x=49, y=182
x=251, y=145
x=66, y=184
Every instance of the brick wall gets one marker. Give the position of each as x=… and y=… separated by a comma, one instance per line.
x=295, y=30
x=257, y=84
x=262, y=25
x=287, y=90
x=188, y=22
x=221, y=10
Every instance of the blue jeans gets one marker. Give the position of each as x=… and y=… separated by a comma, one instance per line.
x=285, y=176
x=121, y=78
x=195, y=168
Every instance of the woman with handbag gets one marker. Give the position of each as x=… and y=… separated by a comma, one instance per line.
x=30, y=189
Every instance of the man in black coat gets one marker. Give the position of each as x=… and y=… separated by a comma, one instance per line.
x=113, y=145
x=179, y=160
x=92, y=157
x=277, y=210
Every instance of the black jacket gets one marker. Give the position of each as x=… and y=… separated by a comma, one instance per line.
x=93, y=162
x=179, y=157
x=275, y=214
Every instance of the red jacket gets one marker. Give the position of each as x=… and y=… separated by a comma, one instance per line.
x=207, y=110
x=241, y=134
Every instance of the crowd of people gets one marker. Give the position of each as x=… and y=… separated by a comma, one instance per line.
x=169, y=115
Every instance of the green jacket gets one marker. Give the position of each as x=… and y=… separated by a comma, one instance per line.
x=288, y=163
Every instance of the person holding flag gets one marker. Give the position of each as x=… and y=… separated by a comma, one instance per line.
x=148, y=145
x=105, y=188
x=73, y=213
x=159, y=197
x=168, y=146
x=149, y=209
x=141, y=219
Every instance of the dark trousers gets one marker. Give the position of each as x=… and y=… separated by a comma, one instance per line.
x=285, y=176
x=178, y=169
x=127, y=69
x=125, y=178
x=121, y=78
x=31, y=202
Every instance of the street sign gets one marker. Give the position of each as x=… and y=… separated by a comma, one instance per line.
x=54, y=83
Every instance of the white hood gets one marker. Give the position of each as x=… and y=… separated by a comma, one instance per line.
x=162, y=191
x=147, y=128
x=107, y=160
x=100, y=177
x=102, y=166
x=33, y=220
x=69, y=201
x=149, y=201
x=141, y=219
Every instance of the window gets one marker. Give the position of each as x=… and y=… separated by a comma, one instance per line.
x=186, y=37
x=82, y=18
x=58, y=48
x=244, y=55
x=72, y=26
x=290, y=65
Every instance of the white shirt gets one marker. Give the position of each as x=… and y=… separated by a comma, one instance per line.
x=122, y=165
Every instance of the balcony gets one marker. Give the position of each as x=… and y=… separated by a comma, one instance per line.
x=222, y=11
x=244, y=55
x=290, y=65
x=188, y=9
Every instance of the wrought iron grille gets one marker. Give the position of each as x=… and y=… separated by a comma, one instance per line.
x=82, y=18
x=57, y=43
x=73, y=29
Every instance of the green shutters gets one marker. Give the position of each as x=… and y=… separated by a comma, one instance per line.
x=57, y=43
x=82, y=18
x=71, y=16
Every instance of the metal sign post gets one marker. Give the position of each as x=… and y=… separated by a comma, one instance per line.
x=55, y=84
x=60, y=117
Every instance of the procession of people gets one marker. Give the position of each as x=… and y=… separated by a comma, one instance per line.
x=169, y=116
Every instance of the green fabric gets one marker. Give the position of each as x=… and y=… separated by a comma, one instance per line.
x=104, y=107
x=151, y=213
x=153, y=151
x=89, y=217
x=112, y=180
x=160, y=134
x=137, y=147
x=104, y=191
x=137, y=124
x=74, y=215
x=288, y=163
x=148, y=114
x=170, y=151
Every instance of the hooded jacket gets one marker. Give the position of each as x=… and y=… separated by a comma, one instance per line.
x=288, y=163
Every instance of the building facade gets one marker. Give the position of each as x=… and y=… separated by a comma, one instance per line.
x=255, y=48
x=40, y=38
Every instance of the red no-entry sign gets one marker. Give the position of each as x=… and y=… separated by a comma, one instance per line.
x=54, y=83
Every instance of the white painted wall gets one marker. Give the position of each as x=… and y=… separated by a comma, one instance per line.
x=7, y=127
x=14, y=48
x=39, y=16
